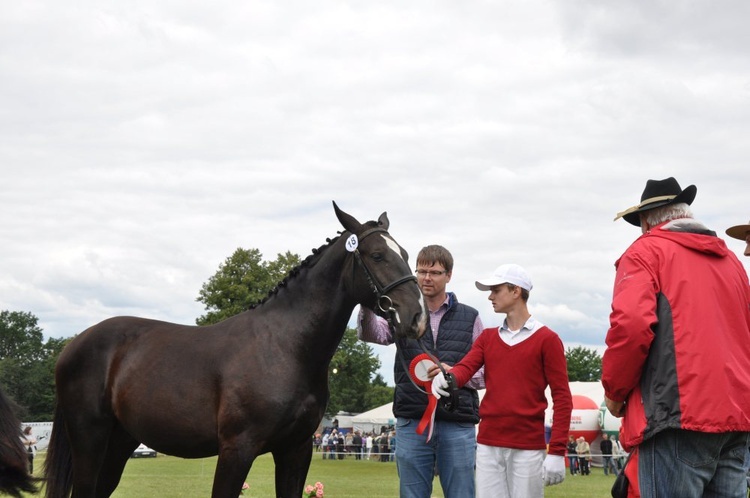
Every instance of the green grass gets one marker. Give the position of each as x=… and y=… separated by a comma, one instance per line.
x=171, y=477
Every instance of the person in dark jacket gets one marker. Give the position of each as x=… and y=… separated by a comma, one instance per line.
x=605, y=448
x=677, y=363
x=357, y=445
x=572, y=454
x=453, y=329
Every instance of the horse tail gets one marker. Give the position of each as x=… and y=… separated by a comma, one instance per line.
x=14, y=460
x=58, y=467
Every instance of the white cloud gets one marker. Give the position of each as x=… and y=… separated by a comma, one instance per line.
x=142, y=143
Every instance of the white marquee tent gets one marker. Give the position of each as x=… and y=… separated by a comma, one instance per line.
x=373, y=420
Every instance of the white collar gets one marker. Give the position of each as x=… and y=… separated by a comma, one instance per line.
x=531, y=324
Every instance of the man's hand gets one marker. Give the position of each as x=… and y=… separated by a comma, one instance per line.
x=435, y=369
x=616, y=408
x=440, y=386
x=553, y=470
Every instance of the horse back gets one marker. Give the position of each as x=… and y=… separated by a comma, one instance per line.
x=131, y=371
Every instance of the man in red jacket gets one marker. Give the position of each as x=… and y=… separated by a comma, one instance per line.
x=521, y=359
x=677, y=364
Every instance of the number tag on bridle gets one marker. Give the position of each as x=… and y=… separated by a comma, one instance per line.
x=352, y=243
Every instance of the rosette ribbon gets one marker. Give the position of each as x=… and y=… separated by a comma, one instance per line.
x=418, y=372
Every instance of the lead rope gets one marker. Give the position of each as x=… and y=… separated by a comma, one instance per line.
x=450, y=403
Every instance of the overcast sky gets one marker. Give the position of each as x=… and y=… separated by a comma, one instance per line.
x=142, y=142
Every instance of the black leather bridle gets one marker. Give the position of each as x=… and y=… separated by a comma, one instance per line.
x=383, y=301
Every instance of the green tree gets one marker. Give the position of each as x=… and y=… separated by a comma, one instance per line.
x=352, y=367
x=242, y=280
x=378, y=394
x=27, y=365
x=20, y=336
x=584, y=365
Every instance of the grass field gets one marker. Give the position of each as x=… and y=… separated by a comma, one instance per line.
x=171, y=477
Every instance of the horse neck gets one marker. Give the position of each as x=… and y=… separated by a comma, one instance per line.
x=314, y=306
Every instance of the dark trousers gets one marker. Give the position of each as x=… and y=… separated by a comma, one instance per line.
x=583, y=465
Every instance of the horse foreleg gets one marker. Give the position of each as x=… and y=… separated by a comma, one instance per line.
x=292, y=465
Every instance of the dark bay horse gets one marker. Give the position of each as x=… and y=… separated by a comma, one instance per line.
x=251, y=384
x=14, y=461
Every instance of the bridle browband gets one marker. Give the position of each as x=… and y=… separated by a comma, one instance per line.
x=385, y=305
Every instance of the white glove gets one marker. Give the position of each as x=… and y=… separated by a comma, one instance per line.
x=440, y=386
x=553, y=470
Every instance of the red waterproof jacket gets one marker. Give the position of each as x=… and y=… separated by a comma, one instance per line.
x=678, y=347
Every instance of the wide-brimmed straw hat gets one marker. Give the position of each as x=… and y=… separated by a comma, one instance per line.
x=658, y=193
x=739, y=231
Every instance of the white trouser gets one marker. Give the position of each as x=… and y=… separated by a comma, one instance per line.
x=509, y=473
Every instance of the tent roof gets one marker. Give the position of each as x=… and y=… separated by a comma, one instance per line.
x=381, y=415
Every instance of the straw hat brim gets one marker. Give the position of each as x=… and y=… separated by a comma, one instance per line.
x=738, y=232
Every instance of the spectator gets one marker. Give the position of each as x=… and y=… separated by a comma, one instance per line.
x=29, y=442
x=619, y=454
x=572, y=455
x=324, y=444
x=349, y=443
x=332, y=440
x=368, y=445
x=383, y=447
x=584, y=456
x=317, y=442
x=357, y=445
x=677, y=363
x=340, y=451
x=605, y=447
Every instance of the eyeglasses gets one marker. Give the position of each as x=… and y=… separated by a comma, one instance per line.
x=432, y=273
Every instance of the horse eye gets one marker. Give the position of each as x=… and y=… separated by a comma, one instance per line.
x=377, y=256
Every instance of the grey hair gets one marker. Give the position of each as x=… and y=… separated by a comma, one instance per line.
x=667, y=213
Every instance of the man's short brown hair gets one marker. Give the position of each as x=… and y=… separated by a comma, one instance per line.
x=429, y=255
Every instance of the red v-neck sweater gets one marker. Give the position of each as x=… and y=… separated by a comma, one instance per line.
x=512, y=410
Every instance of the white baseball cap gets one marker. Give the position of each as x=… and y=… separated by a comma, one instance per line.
x=506, y=274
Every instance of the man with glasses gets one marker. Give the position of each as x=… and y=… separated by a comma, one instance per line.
x=452, y=330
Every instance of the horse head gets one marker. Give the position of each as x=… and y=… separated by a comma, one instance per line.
x=383, y=281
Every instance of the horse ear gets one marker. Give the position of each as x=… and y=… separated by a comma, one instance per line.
x=348, y=221
x=383, y=221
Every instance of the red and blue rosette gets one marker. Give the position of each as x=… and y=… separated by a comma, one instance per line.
x=418, y=371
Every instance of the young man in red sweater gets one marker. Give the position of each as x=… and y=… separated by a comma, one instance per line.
x=520, y=360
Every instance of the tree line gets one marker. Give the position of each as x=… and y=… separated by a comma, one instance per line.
x=243, y=280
